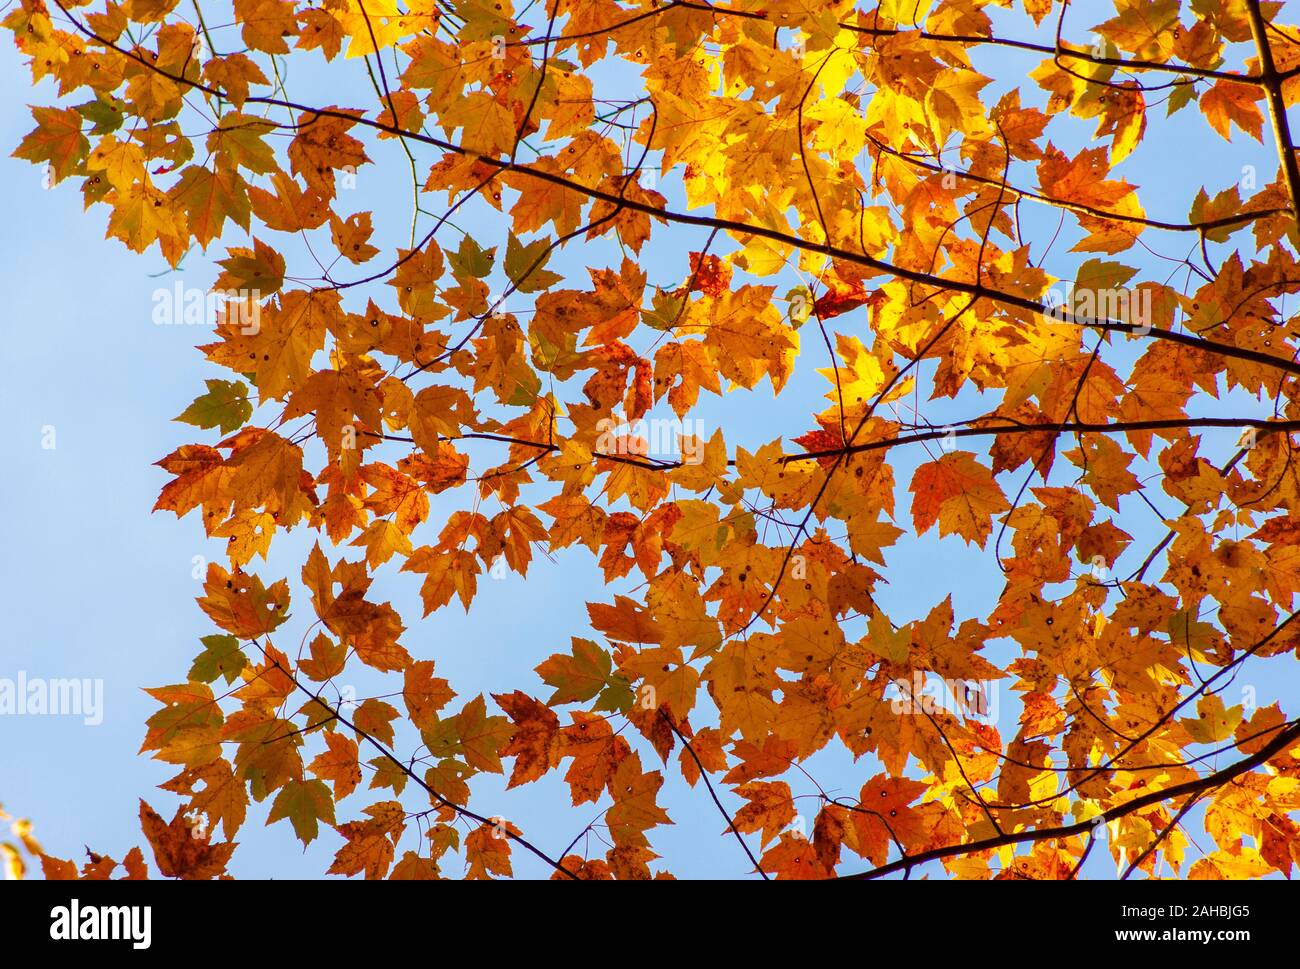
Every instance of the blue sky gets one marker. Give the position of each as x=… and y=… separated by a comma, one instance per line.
x=97, y=587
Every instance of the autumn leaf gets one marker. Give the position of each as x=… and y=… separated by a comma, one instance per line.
x=337, y=764
x=370, y=843
x=769, y=809
x=1228, y=103
x=179, y=851
x=960, y=494
x=425, y=694
x=57, y=140
x=240, y=604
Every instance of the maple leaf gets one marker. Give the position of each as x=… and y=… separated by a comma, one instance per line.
x=534, y=744
x=323, y=145
x=225, y=406
x=635, y=809
x=208, y=199
x=260, y=269
x=240, y=604
x=304, y=803
x=793, y=858
x=223, y=798
x=425, y=694
x=221, y=656
x=57, y=140
x=370, y=843
x=487, y=850
x=585, y=674
x=338, y=764
x=1228, y=103
x=446, y=574
x=769, y=809
x=960, y=494
x=884, y=815
x=350, y=237
x=179, y=851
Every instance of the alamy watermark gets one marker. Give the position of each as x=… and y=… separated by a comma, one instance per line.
x=655, y=437
x=75, y=922
x=25, y=696
x=928, y=693
x=1132, y=306
x=190, y=306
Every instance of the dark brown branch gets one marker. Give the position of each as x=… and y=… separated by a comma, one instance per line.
x=1159, y=839
x=1282, y=741
x=1272, y=82
x=1062, y=427
x=704, y=775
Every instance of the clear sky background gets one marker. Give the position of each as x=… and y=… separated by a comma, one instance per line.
x=96, y=586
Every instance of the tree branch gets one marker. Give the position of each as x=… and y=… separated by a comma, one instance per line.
x=1287, y=737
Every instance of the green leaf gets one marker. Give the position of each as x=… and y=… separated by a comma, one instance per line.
x=470, y=733
x=238, y=142
x=617, y=697
x=481, y=736
x=666, y=310
x=304, y=803
x=225, y=405
x=886, y=642
x=1099, y=274
x=102, y=115
x=526, y=390
x=471, y=259
x=524, y=265
x=577, y=677
x=220, y=657
x=1180, y=96
x=387, y=774
x=587, y=673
